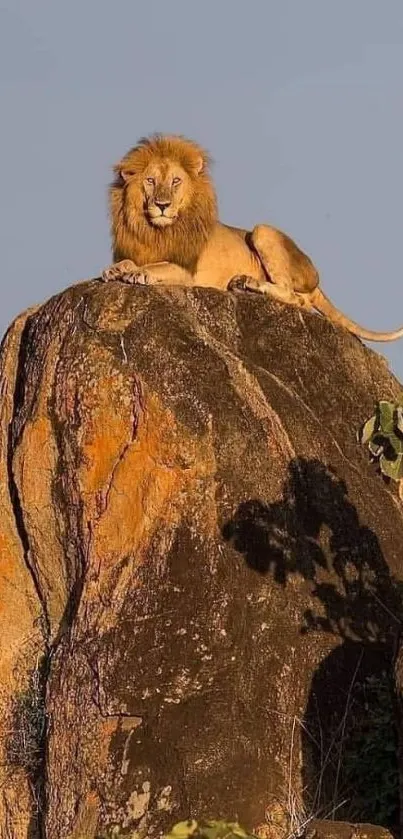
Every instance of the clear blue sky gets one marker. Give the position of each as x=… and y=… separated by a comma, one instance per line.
x=299, y=101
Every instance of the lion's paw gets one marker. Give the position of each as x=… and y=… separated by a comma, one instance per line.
x=144, y=278
x=243, y=282
x=125, y=271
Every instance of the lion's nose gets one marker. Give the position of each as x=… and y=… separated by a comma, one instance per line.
x=162, y=205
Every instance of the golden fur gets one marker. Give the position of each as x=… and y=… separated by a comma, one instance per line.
x=132, y=234
x=165, y=229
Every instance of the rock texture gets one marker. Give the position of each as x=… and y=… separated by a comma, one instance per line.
x=200, y=566
x=345, y=830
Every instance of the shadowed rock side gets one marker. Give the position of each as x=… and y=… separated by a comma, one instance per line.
x=215, y=563
x=399, y=692
x=22, y=630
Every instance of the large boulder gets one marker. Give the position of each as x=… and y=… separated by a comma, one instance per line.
x=201, y=570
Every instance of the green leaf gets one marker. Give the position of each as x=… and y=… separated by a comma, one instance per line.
x=368, y=429
x=182, y=830
x=386, y=416
x=392, y=468
x=396, y=443
x=208, y=830
x=399, y=418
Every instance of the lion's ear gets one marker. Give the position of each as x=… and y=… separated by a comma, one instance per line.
x=126, y=175
x=199, y=165
x=122, y=173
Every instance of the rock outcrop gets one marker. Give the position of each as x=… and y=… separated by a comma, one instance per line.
x=201, y=570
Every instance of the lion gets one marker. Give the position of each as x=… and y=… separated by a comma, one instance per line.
x=165, y=230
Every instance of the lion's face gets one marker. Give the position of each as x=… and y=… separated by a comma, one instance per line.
x=164, y=190
x=162, y=202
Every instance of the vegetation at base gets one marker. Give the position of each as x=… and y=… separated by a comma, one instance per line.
x=25, y=741
x=371, y=751
x=192, y=829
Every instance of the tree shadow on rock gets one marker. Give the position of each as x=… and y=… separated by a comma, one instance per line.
x=348, y=732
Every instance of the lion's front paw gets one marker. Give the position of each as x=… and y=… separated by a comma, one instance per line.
x=144, y=278
x=125, y=271
x=243, y=282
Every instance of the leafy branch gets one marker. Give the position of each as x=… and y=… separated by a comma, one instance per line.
x=383, y=433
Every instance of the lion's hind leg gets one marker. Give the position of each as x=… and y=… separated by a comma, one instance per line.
x=284, y=263
x=268, y=244
x=244, y=282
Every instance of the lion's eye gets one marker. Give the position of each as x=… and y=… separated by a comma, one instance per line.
x=176, y=181
x=150, y=181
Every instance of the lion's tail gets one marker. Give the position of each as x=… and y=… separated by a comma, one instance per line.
x=326, y=307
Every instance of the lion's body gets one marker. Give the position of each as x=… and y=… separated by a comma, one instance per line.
x=224, y=255
x=228, y=253
x=165, y=229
